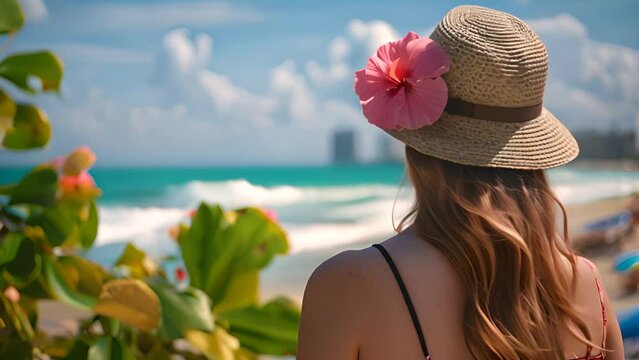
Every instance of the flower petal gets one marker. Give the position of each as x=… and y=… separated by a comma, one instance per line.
x=425, y=103
x=385, y=109
x=403, y=65
x=369, y=82
x=427, y=59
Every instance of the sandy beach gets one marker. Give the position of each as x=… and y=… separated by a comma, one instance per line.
x=278, y=278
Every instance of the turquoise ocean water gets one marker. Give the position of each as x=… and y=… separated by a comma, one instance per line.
x=323, y=209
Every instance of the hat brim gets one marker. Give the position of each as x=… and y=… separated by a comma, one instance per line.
x=540, y=143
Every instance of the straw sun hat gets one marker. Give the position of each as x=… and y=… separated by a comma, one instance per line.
x=492, y=113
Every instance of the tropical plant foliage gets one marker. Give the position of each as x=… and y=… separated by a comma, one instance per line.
x=134, y=310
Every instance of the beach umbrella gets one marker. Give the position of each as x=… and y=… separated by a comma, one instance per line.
x=627, y=261
x=629, y=322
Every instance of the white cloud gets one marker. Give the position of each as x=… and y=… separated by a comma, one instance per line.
x=34, y=10
x=295, y=98
x=591, y=84
x=346, y=52
x=183, y=75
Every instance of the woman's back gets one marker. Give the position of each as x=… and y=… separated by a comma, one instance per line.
x=357, y=296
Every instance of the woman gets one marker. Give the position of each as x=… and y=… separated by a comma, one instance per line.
x=481, y=272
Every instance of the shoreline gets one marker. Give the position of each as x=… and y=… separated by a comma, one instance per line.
x=287, y=275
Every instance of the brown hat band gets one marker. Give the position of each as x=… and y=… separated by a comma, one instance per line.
x=457, y=106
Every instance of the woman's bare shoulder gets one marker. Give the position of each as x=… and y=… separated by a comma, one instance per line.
x=345, y=269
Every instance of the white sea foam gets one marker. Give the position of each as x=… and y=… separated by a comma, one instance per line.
x=316, y=217
x=145, y=227
x=234, y=193
x=579, y=187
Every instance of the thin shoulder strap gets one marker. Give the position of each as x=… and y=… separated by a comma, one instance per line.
x=409, y=303
x=591, y=266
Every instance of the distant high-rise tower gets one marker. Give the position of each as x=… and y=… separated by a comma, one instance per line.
x=344, y=146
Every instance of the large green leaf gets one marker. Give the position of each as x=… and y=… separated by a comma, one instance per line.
x=182, y=310
x=7, y=112
x=31, y=129
x=270, y=329
x=59, y=287
x=37, y=187
x=198, y=244
x=43, y=65
x=11, y=18
x=215, y=251
x=9, y=246
x=109, y=348
x=130, y=301
x=57, y=223
x=262, y=238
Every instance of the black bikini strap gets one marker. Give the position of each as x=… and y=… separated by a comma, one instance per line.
x=409, y=303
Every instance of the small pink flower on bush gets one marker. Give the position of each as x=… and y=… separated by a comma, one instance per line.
x=57, y=163
x=78, y=187
x=80, y=159
x=401, y=87
x=270, y=214
x=192, y=213
x=180, y=274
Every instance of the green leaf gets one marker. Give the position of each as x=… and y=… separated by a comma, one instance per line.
x=109, y=348
x=38, y=187
x=182, y=310
x=9, y=246
x=15, y=348
x=263, y=238
x=198, y=244
x=89, y=228
x=31, y=129
x=217, y=345
x=243, y=290
x=57, y=223
x=43, y=65
x=25, y=265
x=130, y=301
x=79, y=350
x=271, y=329
x=7, y=112
x=59, y=287
x=11, y=18
x=139, y=265
x=83, y=275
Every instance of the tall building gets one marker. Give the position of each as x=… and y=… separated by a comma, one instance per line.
x=344, y=146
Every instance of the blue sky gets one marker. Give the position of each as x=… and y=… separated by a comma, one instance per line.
x=267, y=82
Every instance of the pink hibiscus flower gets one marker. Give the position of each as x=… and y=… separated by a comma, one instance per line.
x=401, y=86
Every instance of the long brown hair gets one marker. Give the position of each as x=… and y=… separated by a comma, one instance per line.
x=497, y=227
